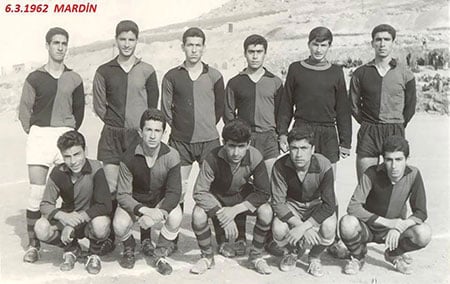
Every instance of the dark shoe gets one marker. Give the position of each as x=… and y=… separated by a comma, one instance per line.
x=93, y=264
x=275, y=250
x=227, y=250
x=240, y=248
x=107, y=247
x=31, y=255
x=288, y=262
x=69, y=261
x=128, y=259
x=147, y=247
x=163, y=266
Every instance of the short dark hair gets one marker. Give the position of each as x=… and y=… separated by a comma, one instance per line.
x=236, y=130
x=254, y=40
x=127, y=26
x=384, y=28
x=56, y=31
x=301, y=132
x=194, y=32
x=69, y=139
x=320, y=34
x=152, y=114
x=396, y=143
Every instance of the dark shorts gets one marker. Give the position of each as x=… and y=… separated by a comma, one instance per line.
x=113, y=143
x=267, y=143
x=325, y=139
x=373, y=233
x=191, y=152
x=371, y=137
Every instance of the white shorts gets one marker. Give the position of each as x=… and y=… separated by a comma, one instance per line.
x=41, y=145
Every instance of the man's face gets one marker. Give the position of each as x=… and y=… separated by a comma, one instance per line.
x=235, y=151
x=126, y=42
x=319, y=49
x=57, y=48
x=152, y=133
x=193, y=49
x=74, y=158
x=255, y=55
x=395, y=163
x=300, y=152
x=383, y=44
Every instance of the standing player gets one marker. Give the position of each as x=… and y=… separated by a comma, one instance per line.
x=303, y=200
x=383, y=98
x=254, y=95
x=377, y=210
x=86, y=204
x=149, y=190
x=192, y=102
x=52, y=103
x=233, y=181
x=317, y=90
x=123, y=88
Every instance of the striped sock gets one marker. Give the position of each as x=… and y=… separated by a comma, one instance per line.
x=356, y=246
x=203, y=235
x=259, y=236
x=32, y=217
x=404, y=245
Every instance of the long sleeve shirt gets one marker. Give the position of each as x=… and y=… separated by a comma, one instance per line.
x=255, y=102
x=48, y=101
x=120, y=97
x=383, y=99
x=193, y=107
x=316, y=188
x=219, y=185
x=376, y=196
x=89, y=193
x=139, y=185
x=319, y=95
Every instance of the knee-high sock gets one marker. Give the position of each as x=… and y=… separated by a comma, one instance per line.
x=219, y=231
x=259, y=236
x=404, y=245
x=241, y=220
x=203, y=235
x=32, y=213
x=355, y=245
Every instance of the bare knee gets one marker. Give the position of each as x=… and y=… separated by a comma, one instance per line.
x=349, y=226
x=100, y=227
x=174, y=219
x=122, y=222
x=279, y=229
x=43, y=230
x=421, y=234
x=265, y=214
x=328, y=227
x=199, y=217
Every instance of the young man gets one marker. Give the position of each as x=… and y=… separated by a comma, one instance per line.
x=317, y=90
x=383, y=98
x=303, y=200
x=123, y=88
x=86, y=204
x=377, y=210
x=149, y=190
x=52, y=103
x=254, y=95
x=232, y=181
x=192, y=103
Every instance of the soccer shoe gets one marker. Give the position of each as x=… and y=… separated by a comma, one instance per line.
x=399, y=263
x=240, y=247
x=31, y=255
x=353, y=266
x=107, y=247
x=227, y=250
x=203, y=264
x=69, y=261
x=128, y=259
x=315, y=267
x=338, y=250
x=148, y=249
x=407, y=258
x=93, y=264
x=261, y=266
x=272, y=248
x=163, y=266
x=288, y=262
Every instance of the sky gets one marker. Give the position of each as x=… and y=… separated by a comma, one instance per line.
x=25, y=32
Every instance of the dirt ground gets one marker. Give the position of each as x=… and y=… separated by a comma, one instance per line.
x=429, y=139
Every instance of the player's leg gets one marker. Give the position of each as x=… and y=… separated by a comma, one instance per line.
x=122, y=224
x=280, y=229
x=98, y=230
x=327, y=231
x=363, y=163
x=264, y=216
x=202, y=232
x=355, y=237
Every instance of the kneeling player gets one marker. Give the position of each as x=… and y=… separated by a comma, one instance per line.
x=86, y=204
x=233, y=180
x=377, y=210
x=303, y=200
x=149, y=190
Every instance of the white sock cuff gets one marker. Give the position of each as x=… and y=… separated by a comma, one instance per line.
x=168, y=234
x=35, y=197
x=326, y=242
